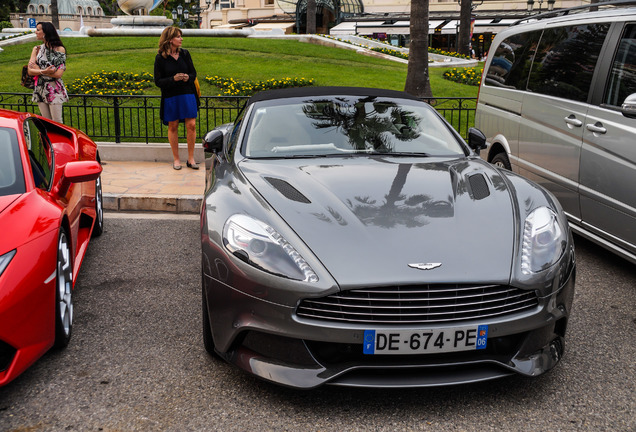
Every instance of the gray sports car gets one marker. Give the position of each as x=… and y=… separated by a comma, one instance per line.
x=351, y=237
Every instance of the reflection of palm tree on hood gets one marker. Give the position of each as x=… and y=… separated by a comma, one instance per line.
x=365, y=130
x=397, y=208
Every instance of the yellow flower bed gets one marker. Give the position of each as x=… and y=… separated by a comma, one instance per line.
x=232, y=87
x=111, y=83
x=469, y=76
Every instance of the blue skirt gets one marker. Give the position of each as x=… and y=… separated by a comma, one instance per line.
x=179, y=107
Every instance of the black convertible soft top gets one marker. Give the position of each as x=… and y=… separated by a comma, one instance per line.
x=327, y=91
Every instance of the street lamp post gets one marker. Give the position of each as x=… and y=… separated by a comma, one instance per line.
x=550, y=5
x=196, y=9
x=182, y=12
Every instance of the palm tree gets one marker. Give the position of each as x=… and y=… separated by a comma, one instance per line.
x=311, y=17
x=55, y=18
x=463, y=38
x=417, y=79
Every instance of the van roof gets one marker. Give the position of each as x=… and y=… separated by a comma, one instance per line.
x=613, y=8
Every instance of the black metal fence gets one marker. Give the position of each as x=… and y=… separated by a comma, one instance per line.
x=136, y=118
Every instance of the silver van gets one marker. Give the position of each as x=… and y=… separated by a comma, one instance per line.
x=557, y=104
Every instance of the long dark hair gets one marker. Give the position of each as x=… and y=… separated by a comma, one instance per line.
x=51, y=38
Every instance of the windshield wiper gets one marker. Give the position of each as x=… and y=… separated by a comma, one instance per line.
x=397, y=154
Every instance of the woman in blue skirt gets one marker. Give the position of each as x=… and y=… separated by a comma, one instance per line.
x=175, y=75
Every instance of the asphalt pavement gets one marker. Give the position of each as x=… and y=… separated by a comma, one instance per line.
x=136, y=361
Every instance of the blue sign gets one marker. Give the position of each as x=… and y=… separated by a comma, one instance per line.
x=482, y=337
x=32, y=23
x=369, y=342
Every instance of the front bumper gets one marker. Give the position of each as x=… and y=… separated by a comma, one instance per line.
x=268, y=340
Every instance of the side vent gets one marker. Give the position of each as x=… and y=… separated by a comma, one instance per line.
x=287, y=190
x=479, y=186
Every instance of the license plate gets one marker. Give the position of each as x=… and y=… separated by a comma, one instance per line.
x=425, y=341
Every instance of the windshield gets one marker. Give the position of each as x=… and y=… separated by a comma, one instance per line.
x=348, y=125
x=11, y=174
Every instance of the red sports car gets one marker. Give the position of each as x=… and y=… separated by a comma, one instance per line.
x=50, y=206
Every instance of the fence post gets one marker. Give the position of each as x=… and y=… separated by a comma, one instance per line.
x=117, y=120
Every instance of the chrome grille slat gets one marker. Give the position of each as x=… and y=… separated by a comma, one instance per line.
x=403, y=299
x=410, y=307
x=420, y=304
x=432, y=290
x=435, y=321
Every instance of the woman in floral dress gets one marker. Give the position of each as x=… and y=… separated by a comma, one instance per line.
x=47, y=64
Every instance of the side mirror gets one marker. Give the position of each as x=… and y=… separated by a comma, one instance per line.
x=476, y=139
x=77, y=172
x=629, y=106
x=213, y=141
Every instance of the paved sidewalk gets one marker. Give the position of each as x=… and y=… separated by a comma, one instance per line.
x=152, y=186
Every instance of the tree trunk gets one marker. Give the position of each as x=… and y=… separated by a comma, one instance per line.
x=417, y=79
x=463, y=38
x=55, y=18
x=311, y=17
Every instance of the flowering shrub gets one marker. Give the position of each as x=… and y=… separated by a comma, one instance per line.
x=3, y=37
x=446, y=53
x=111, y=83
x=396, y=53
x=392, y=52
x=470, y=76
x=231, y=87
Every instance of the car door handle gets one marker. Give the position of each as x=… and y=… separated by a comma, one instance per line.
x=573, y=121
x=596, y=128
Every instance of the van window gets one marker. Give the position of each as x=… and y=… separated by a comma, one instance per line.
x=511, y=61
x=565, y=61
x=622, y=79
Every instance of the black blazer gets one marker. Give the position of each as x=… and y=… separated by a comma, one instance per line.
x=167, y=68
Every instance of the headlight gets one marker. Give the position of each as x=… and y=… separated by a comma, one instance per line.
x=544, y=241
x=5, y=260
x=258, y=244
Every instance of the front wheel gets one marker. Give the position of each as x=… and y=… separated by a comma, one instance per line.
x=63, y=292
x=501, y=161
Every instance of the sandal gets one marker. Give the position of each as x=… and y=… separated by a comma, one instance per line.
x=192, y=165
x=176, y=167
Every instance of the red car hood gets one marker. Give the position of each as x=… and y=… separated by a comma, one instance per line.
x=6, y=200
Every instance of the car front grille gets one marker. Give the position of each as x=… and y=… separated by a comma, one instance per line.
x=422, y=304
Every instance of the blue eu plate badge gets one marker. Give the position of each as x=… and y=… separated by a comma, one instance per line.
x=369, y=342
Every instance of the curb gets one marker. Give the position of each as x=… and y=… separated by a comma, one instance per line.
x=182, y=204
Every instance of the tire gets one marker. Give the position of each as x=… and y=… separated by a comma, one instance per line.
x=98, y=227
x=208, y=340
x=501, y=161
x=63, y=292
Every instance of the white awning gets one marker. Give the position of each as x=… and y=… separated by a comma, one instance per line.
x=344, y=28
x=369, y=23
x=432, y=25
x=451, y=27
x=488, y=26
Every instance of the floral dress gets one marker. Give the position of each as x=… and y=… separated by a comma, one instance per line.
x=47, y=89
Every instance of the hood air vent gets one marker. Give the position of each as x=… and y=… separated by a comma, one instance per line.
x=479, y=186
x=287, y=190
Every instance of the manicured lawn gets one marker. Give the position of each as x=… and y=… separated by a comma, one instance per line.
x=238, y=58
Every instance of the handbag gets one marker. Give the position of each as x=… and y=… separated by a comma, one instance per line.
x=197, y=87
x=27, y=80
